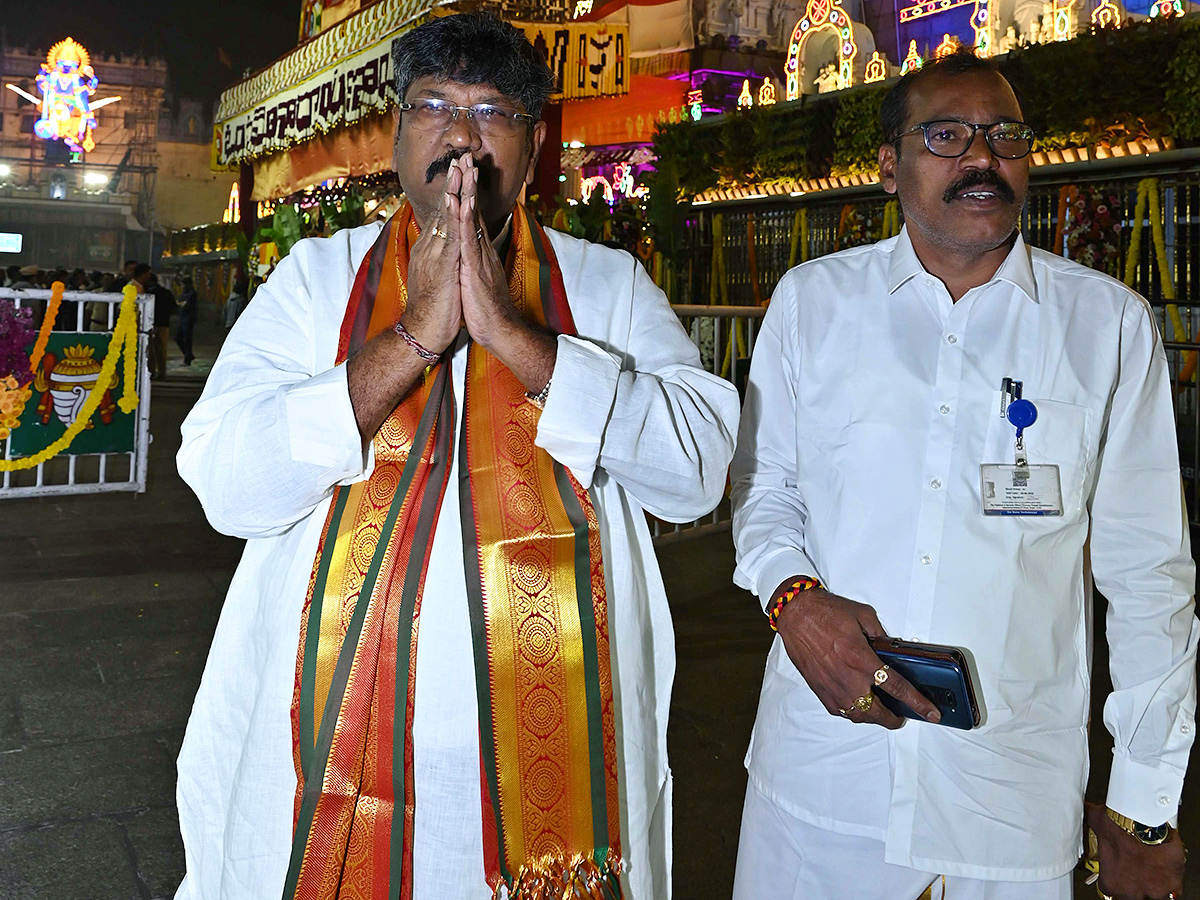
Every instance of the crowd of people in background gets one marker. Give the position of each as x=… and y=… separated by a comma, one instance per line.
x=98, y=316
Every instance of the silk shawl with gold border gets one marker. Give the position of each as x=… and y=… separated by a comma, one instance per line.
x=538, y=611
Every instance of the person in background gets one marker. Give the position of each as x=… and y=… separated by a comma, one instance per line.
x=237, y=300
x=187, y=303
x=11, y=275
x=160, y=340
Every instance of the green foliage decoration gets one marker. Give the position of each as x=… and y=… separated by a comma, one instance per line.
x=856, y=134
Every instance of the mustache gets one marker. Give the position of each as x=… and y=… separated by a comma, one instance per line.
x=442, y=164
x=980, y=178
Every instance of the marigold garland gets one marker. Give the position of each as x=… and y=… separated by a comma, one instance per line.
x=48, y=320
x=122, y=343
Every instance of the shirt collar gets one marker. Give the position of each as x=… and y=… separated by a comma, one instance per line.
x=1016, y=269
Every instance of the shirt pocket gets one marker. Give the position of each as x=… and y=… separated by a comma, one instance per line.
x=1059, y=437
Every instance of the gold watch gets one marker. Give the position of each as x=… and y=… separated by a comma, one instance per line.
x=1151, y=835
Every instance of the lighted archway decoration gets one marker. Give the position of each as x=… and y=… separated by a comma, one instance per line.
x=912, y=61
x=821, y=14
x=946, y=47
x=876, y=69
x=982, y=26
x=1106, y=15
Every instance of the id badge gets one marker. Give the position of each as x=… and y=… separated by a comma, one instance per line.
x=1027, y=490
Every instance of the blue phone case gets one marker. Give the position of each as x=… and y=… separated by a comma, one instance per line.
x=940, y=673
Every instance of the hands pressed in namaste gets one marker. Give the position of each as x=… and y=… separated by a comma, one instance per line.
x=455, y=276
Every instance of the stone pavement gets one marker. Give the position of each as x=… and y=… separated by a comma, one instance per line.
x=107, y=608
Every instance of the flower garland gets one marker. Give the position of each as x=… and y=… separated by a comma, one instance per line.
x=1091, y=229
x=799, y=237
x=890, y=227
x=1148, y=202
x=48, y=320
x=122, y=343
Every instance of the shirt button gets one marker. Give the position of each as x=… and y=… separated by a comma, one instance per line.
x=935, y=483
x=1185, y=729
x=944, y=409
x=926, y=560
x=951, y=339
x=1164, y=800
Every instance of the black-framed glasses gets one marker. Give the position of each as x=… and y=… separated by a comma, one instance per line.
x=431, y=114
x=951, y=138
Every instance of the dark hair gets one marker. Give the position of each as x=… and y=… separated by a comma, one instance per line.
x=893, y=113
x=474, y=48
x=139, y=270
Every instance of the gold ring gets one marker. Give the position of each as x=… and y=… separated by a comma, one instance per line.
x=479, y=234
x=843, y=712
x=863, y=703
x=1103, y=896
x=439, y=233
x=881, y=674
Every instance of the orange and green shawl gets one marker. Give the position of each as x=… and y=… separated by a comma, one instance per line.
x=539, y=621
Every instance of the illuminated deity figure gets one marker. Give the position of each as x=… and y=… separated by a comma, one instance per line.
x=67, y=83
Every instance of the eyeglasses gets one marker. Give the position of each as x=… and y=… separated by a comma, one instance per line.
x=951, y=138
x=430, y=114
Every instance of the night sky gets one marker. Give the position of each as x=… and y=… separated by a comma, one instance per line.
x=188, y=35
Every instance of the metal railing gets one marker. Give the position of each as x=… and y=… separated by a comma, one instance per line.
x=87, y=473
x=725, y=336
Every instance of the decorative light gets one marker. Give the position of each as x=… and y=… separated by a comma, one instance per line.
x=623, y=178
x=233, y=212
x=913, y=60
x=744, y=98
x=982, y=26
x=582, y=8
x=95, y=178
x=1106, y=15
x=1064, y=21
x=562, y=177
x=589, y=185
x=695, y=103
x=876, y=68
x=67, y=82
x=5, y=171
x=575, y=145
x=1166, y=8
x=820, y=15
x=946, y=47
x=766, y=93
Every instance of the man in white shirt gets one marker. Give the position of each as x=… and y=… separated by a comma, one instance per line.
x=382, y=427
x=873, y=422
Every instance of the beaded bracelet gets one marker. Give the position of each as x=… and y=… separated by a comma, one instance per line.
x=799, y=586
x=428, y=355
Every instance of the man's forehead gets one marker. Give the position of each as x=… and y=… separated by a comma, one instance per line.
x=980, y=96
x=449, y=89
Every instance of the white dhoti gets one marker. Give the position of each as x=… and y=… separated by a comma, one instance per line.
x=782, y=857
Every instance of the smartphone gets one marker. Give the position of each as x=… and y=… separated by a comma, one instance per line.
x=940, y=673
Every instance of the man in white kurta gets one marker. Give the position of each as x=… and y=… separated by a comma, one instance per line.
x=630, y=414
x=874, y=399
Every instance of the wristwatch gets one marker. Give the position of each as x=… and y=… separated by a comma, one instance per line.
x=1151, y=835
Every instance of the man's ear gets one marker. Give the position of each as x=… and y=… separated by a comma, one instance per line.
x=536, y=138
x=887, y=167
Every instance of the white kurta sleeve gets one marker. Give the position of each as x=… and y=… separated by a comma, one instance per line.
x=1142, y=563
x=642, y=409
x=274, y=430
x=769, y=514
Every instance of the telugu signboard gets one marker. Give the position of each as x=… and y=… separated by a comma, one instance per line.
x=588, y=60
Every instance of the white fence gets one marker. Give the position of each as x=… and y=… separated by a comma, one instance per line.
x=89, y=473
